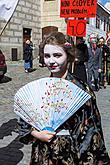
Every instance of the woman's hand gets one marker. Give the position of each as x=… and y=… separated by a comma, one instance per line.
x=44, y=136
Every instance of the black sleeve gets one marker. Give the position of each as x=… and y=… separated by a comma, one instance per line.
x=86, y=54
x=24, y=131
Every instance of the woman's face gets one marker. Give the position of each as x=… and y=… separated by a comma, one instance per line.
x=55, y=58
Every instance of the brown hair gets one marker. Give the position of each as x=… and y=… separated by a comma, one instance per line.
x=58, y=38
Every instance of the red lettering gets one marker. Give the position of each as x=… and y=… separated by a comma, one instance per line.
x=88, y=3
x=82, y=3
x=73, y=3
x=80, y=28
x=76, y=27
x=78, y=8
x=65, y=11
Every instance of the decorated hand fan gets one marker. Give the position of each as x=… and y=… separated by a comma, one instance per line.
x=48, y=102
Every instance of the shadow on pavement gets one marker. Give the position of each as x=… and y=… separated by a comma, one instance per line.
x=5, y=79
x=11, y=154
x=6, y=129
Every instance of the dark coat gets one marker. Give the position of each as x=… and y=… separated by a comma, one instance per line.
x=28, y=52
x=104, y=66
x=94, y=61
x=82, y=53
x=84, y=145
x=79, y=66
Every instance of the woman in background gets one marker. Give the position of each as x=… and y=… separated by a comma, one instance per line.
x=83, y=142
x=28, y=57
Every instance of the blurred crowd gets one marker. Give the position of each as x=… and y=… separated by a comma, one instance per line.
x=92, y=61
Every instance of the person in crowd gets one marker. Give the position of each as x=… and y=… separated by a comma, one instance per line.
x=28, y=57
x=81, y=57
x=94, y=62
x=85, y=143
x=105, y=54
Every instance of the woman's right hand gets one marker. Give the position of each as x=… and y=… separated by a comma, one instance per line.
x=44, y=136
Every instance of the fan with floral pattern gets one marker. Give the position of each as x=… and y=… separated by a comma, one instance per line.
x=48, y=102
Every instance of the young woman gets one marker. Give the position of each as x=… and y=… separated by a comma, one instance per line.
x=84, y=143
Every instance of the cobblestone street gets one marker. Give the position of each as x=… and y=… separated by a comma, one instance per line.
x=11, y=151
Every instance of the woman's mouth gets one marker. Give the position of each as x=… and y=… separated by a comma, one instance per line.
x=52, y=67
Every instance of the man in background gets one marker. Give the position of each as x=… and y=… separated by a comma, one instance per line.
x=103, y=78
x=94, y=63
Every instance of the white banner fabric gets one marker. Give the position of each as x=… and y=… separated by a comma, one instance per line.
x=7, y=8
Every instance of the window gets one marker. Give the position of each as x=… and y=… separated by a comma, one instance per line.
x=107, y=27
x=97, y=22
x=104, y=25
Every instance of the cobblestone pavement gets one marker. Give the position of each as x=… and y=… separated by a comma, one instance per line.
x=11, y=151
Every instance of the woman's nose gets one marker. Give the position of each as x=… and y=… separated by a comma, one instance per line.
x=52, y=60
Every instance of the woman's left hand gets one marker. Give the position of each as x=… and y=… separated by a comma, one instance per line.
x=45, y=135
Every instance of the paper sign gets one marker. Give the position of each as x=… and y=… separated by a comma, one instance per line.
x=76, y=28
x=78, y=8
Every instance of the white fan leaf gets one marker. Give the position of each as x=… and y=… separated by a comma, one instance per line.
x=48, y=102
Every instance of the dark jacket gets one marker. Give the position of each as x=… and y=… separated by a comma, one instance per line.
x=94, y=62
x=105, y=53
x=82, y=53
x=85, y=143
x=79, y=66
x=28, y=52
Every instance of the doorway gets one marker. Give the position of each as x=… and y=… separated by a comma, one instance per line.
x=27, y=32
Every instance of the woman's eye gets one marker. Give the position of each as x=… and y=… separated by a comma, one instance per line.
x=57, y=55
x=46, y=55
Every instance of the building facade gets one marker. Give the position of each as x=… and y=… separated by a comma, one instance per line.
x=33, y=19
x=99, y=25
x=50, y=16
x=24, y=24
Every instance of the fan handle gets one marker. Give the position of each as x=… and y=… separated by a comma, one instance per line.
x=48, y=129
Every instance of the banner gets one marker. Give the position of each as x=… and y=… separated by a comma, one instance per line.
x=78, y=8
x=7, y=8
x=76, y=28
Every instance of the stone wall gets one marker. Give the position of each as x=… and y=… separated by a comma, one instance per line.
x=26, y=15
x=51, y=15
